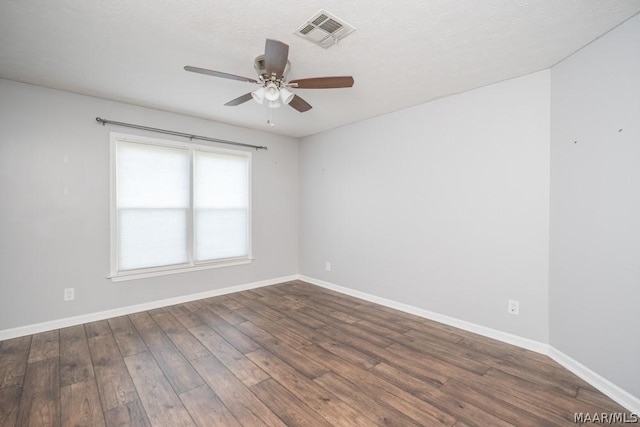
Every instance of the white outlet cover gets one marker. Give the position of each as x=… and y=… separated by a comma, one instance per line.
x=513, y=307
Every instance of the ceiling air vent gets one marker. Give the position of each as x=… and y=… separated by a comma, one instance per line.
x=324, y=29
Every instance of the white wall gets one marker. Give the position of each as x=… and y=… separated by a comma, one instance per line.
x=595, y=206
x=443, y=206
x=50, y=240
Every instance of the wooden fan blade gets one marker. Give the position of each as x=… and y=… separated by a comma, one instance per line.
x=239, y=100
x=219, y=74
x=275, y=57
x=300, y=104
x=323, y=82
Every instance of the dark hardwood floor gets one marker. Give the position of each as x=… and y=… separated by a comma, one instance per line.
x=288, y=354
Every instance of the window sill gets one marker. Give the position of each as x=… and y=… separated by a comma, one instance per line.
x=124, y=276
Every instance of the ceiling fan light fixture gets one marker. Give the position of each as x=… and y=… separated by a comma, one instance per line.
x=271, y=92
x=258, y=95
x=286, y=95
x=272, y=69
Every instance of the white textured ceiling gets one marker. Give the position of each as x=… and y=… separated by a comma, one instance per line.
x=403, y=53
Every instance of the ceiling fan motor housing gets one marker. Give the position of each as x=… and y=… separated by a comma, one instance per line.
x=261, y=69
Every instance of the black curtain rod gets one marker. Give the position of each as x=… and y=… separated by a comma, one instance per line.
x=182, y=134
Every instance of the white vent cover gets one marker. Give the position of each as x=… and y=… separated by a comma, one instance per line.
x=324, y=29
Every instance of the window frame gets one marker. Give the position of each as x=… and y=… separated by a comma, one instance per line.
x=192, y=264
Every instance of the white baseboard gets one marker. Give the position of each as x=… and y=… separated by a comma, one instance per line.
x=616, y=393
x=107, y=314
x=516, y=340
x=621, y=396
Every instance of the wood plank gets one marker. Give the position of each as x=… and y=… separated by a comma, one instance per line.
x=44, y=346
x=188, y=345
x=325, y=300
x=295, y=358
x=347, y=353
x=126, y=336
x=229, y=303
x=207, y=409
x=142, y=321
x=161, y=403
x=40, y=400
x=250, y=294
x=301, y=318
x=455, y=406
x=332, y=297
x=347, y=301
x=362, y=345
x=243, y=404
x=354, y=329
x=511, y=355
x=75, y=358
x=379, y=412
x=324, y=403
x=553, y=378
x=186, y=317
x=255, y=305
x=293, y=411
x=175, y=367
x=372, y=313
x=280, y=304
x=216, y=306
x=80, y=404
x=423, y=365
x=231, y=334
x=261, y=292
x=369, y=354
x=596, y=398
x=131, y=414
x=320, y=313
x=414, y=322
x=326, y=340
x=406, y=403
x=468, y=359
x=430, y=330
x=499, y=408
x=276, y=329
x=243, y=368
x=522, y=393
x=282, y=291
x=379, y=330
x=95, y=329
x=13, y=360
x=114, y=383
x=9, y=402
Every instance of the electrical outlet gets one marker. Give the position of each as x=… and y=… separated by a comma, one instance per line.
x=514, y=307
x=69, y=294
x=327, y=266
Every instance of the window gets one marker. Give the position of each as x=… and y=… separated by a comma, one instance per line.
x=177, y=207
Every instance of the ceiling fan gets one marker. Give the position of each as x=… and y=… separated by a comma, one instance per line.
x=272, y=68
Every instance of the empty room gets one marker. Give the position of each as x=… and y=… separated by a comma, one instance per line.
x=319, y=213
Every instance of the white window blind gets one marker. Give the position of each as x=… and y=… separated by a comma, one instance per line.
x=221, y=206
x=177, y=207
